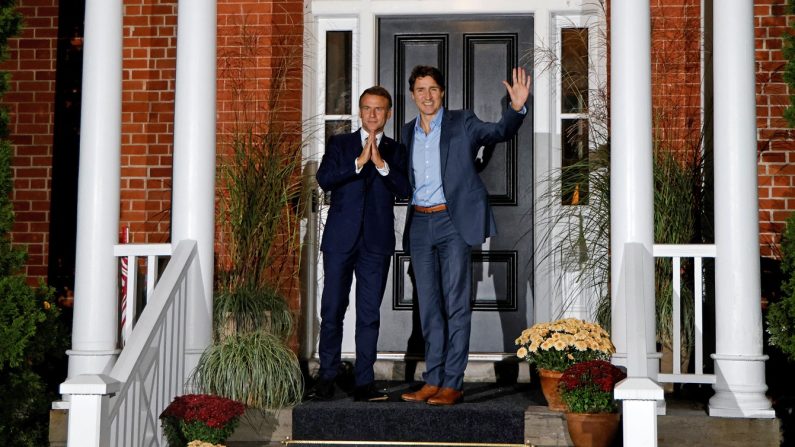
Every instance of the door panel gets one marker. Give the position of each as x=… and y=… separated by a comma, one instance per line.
x=475, y=55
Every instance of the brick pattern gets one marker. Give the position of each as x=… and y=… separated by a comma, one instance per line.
x=148, y=83
x=149, y=71
x=676, y=75
x=255, y=40
x=31, y=100
x=775, y=141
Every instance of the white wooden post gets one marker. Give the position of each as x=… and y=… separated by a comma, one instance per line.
x=89, y=425
x=640, y=396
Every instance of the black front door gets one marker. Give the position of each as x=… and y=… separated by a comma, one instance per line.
x=475, y=54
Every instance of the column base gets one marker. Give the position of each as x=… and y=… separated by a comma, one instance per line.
x=740, y=387
x=85, y=361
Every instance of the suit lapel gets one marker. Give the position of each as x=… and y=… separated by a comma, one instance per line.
x=408, y=137
x=444, y=141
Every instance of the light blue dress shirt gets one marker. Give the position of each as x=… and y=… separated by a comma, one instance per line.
x=426, y=163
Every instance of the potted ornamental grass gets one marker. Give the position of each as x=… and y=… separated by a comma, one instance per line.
x=195, y=420
x=553, y=347
x=587, y=391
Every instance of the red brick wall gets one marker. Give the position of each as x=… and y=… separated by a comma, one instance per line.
x=252, y=35
x=148, y=82
x=254, y=39
x=149, y=70
x=676, y=75
x=776, y=141
x=31, y=99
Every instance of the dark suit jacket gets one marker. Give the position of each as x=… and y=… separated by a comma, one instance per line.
x=463, y=134
x=361, y=203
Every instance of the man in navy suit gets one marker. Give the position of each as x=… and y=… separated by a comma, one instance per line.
x=449, y=214
x=364, y=171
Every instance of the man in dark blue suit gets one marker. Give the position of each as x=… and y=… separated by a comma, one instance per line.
x=364, y=171
x=450, y=213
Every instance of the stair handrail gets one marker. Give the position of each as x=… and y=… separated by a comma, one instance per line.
x=122, y=408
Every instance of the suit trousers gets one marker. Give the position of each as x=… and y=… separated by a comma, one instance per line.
x=371, y=271
x=442, y=270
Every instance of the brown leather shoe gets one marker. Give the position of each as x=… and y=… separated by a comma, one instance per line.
x=422, y=395
x=446, y=396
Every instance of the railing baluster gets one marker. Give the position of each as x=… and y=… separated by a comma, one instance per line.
x=130, y=309
x=698, y=301
x=676, y=313
x=151, y=275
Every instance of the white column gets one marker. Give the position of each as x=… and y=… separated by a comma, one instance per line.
x=193, y=207
x=739, y=364
x=94, y=329
x=631, y=186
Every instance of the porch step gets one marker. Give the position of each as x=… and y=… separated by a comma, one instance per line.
x=490, y=414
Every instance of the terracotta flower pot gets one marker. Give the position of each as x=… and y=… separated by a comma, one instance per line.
x=592, y=429
x=549, y=385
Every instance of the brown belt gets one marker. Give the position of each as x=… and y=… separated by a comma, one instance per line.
x=430, y=209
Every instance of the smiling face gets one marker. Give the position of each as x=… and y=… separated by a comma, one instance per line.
x=427, y=95
x=374, y=111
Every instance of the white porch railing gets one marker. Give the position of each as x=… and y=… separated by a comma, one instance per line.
x=130, y=253
x=150, y=370
x=697, y=253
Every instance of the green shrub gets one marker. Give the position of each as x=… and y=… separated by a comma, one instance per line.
x=781, y=315
x=271, y=378
x=31, y=335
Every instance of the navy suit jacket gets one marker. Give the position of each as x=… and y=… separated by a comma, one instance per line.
x=463, y=134
x=361, y=204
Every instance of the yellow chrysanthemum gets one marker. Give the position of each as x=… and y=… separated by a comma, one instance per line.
x=521, y=352
x=560, y=345
x=580, y=345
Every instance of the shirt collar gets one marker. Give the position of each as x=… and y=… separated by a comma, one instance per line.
x=363, y=134
x=435, y=123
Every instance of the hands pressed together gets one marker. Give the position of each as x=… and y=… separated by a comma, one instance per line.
x=370, y=152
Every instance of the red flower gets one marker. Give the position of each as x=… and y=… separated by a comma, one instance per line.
x=213, y=411
x=595, y=372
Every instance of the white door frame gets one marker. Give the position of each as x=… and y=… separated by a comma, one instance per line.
x=360, y=17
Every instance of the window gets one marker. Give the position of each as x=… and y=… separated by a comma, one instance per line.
x=338, y=86
x=574, y=101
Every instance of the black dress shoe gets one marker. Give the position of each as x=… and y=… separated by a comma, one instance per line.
x=321, y=390
x=369, y=393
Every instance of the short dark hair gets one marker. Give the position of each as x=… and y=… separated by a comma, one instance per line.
x=377, y=90
x=421, y=71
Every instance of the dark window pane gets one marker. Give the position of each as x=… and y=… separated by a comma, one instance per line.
x=338, y=72
x=575, y=169
x=574, y=70
x=336, y=127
